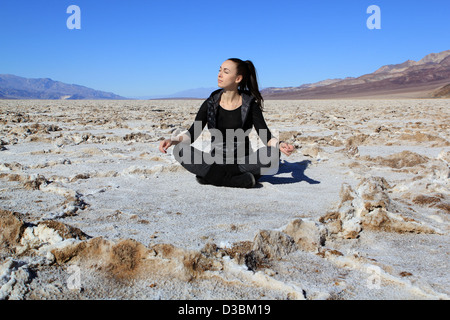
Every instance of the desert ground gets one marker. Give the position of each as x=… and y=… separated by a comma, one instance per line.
x=90, y=209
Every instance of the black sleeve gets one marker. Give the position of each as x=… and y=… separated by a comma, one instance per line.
x=260, y=124
x=201, y=117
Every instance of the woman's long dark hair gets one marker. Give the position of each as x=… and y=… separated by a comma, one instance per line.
x=249, y=79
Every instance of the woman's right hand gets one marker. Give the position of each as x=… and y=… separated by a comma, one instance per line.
x=164, y=145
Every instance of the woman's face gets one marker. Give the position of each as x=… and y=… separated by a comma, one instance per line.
x=228, y=77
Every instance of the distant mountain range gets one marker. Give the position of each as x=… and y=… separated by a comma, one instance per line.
x=198, y=93
x=14, y=87
x=427, y=78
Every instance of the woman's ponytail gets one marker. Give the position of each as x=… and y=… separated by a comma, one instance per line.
x=249, y=79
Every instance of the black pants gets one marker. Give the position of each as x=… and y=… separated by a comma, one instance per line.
x=264, y=161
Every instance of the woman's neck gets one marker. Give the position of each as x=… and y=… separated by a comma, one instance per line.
x=230, y=96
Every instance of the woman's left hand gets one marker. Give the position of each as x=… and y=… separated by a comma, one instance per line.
x=286, y=148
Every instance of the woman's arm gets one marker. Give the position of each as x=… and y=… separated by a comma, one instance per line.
x=260, y=124
x=192, y=134
x=201, y=119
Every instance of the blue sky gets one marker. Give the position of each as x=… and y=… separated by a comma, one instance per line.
x=141, y=48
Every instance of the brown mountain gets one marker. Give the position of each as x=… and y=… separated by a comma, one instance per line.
x=426, y=78
x=443, y=92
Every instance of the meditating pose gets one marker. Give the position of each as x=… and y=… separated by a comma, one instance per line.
x=230, y=113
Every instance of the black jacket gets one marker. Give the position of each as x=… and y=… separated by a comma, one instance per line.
x=251, y=116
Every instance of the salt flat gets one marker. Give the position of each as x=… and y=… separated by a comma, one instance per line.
x=91, y=209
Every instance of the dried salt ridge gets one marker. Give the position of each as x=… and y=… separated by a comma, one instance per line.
x=91, y=209
x=370, y=207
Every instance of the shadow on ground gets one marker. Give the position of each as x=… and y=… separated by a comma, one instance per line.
x=296, y=170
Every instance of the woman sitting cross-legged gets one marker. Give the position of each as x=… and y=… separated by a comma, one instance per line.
x=230, y=114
